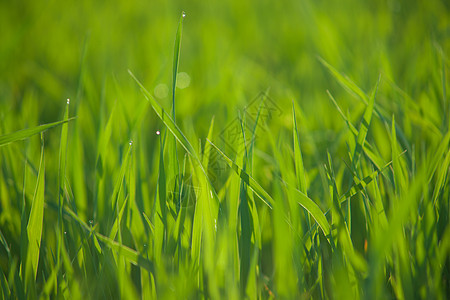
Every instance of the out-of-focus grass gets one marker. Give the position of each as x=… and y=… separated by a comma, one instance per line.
x=353, y=176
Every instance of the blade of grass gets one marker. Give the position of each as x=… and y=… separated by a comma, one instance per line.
x=262, y=194
x=303, y=200
x=160, y=220
x=26, y=133
x=61, y=184
x=4, y=284
x=299, y=169
x=344, y=239
x=176, y=58
x=344, y=81
x=364, y=128
x=368, y=149
x=353, y=89
x=131, y=255
x=35, y=221
x=167, y=120
x=207, y=150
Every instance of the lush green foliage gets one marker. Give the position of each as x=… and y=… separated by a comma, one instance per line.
x=259, y=149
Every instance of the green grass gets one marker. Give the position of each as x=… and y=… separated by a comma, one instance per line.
x=254, y=149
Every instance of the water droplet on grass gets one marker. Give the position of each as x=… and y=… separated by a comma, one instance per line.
x=183, y=14
x=157, y=132
x=68, y=100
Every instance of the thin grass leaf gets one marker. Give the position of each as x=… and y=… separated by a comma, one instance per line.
x=299, y=169
x=176, y=58
x=26, y=133
x=207, y=150
x=353, y=89
x=344, y=81
x=344, y=238
x=359, y=185
x=118, y=221
x=400, y=183
x=161, y=207
x=50, y=283
x=120, y=179
x=441, y=177
x=35, y=221
x=61, y=179
x=262, y=194
x=364, y=128
x=368, y=149
x=253, y=137
x=436, y=156
x=245, y=217
x=4, y=284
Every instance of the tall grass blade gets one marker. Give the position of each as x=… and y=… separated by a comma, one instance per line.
x=35, y=221
x=167, y=120
x=62, y=183
x=176, y=58
x=344, y=81
x=364, y=128
x=299, y=169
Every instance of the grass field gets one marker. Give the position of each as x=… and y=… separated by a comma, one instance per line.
x=225, y=149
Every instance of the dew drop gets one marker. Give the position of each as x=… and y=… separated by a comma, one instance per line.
x=65, y=232
x=183, y=14
x=157, y=132
x=68, y=100
x=130, y=143
x=91, y=222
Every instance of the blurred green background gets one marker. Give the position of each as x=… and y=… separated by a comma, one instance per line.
x=231, y=51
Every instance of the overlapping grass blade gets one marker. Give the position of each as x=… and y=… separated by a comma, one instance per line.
x=299, y=169
x=176, y=58
x=207, y=150
x=262, y=194
x=167, y=120
x=359, y=185
x=344, y=81
x=302, y=199
x=368, y=149
x=35, y=221
x=131, y=255
x=26, y=133
x=61, y=178
x=364, y=128
x=353, y=89
x=338, y=219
